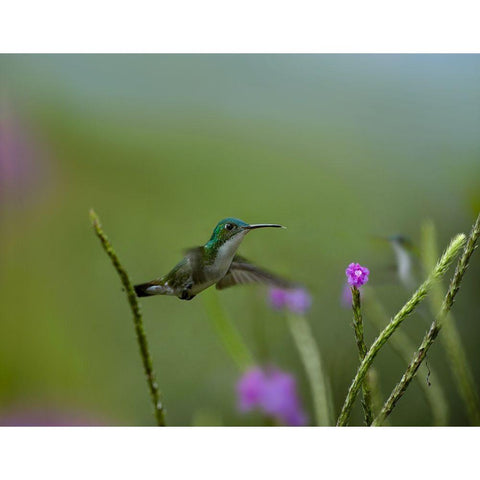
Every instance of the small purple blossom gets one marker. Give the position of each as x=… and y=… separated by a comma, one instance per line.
x=297, y=301
x=278, y=298
x=273, y=392
x=23, y=157
x=47, y=416
x=249, y=389
x=357, y=275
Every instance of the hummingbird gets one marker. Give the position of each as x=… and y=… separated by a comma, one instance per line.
x=216, y=262
x=404, y=251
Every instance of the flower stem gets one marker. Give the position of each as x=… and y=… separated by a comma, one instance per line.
x=451, y=338
x=137, y=320
x=225, y=329
x=440, y=268
x=312, y=361
x=362, y=351
x=436, y=326
x=404, y=347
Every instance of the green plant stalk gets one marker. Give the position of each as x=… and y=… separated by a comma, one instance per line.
x=436, y=326
x=404, y=347
x=226, y=331
x=362, y=351
x=439, y=270
x=155, y=395
x=312, y=361
x=450, y=338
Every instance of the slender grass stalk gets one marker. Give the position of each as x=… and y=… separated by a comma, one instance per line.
x=436, y=326
x=362, y=351
x=440, y=269
x=450, y=337
x=404, y=347
x=225, y=329
x=155, y=395
x=312, y=361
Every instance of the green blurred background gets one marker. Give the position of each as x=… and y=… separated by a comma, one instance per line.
x=340, y=148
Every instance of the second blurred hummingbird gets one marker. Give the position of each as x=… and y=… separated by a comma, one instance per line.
x=406, y=262
x=216, y=262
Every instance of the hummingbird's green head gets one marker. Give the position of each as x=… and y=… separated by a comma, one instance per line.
x=228, y=228
x=402, y=241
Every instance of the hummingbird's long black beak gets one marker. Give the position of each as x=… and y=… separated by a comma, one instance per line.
x=263, y=225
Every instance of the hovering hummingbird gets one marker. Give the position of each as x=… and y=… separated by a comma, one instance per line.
x=405, y=260
x=216, y=262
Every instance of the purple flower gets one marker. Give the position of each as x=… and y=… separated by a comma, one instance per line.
x=357, y=275
x=47, y=416
x=249, y=389
x=297, y=301
x=273, y=392
x=23, y=159
x=278, y=298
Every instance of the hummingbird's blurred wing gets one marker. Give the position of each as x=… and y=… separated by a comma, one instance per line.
x=242, y=272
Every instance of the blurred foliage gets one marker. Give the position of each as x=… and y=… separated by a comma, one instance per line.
x=339, y=148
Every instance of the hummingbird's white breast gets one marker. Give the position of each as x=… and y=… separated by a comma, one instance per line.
x=226, y=253
x=217, y=270
x=404, y=261
x=224, y=257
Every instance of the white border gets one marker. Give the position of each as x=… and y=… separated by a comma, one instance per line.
x=247, y=26
x=239, y=453
x=251, y=26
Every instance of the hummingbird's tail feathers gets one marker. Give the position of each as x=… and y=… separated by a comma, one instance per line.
x=150, y=288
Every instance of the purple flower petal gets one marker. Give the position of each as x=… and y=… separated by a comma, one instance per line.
x=47, y=416
x=278, y=298
x=250, y=389
x=357, y=275
x=274, y=393
x=299, y=301
x=23, y=166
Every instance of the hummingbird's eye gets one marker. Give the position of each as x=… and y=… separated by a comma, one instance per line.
x=228, y=226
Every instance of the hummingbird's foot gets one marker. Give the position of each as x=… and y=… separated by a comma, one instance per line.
x=186, y=294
